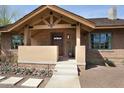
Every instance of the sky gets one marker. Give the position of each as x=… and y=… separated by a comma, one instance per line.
x=87, y=11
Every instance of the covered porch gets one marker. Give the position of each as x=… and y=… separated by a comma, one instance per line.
x=56, y=31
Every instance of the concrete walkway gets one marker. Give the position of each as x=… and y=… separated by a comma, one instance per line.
x=65, y=75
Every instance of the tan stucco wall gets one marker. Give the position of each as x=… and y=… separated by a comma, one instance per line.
x=37, y=54
x=80, y=55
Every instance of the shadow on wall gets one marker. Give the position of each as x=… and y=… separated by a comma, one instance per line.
x=96, y=59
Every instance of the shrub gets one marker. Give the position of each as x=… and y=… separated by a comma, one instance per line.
x=109, y=62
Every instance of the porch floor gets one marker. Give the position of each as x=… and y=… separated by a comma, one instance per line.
x=65, y=75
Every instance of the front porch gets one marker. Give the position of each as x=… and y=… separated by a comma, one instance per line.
x=61, y=51
x=53, y=31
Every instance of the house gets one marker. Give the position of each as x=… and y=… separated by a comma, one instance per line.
x=50, y=33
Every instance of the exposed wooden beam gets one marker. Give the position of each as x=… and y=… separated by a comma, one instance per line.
x=57, y=21
x=53, y=27
x=27, y=36
x=64, y=19
x=20, y=22
x=45, y=21
x=72, y=16
x=45, y=16
x=36, y=22
x=39, y=20
x=51, y=19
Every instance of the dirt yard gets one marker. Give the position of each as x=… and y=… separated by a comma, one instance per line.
x=103, y=77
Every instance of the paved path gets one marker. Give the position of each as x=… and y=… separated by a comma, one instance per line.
x=32, y=82
x=13, y=81
x=64, y=76
x=2, y=77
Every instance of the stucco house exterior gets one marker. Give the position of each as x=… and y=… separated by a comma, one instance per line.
x=50, y=33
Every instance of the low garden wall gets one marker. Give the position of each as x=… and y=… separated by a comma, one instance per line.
x=38, y=54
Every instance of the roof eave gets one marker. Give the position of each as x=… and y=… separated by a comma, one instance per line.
x=108, y=27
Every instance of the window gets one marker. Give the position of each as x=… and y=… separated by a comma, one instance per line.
x=16, y=41
x=57, y=38
x=100, y=40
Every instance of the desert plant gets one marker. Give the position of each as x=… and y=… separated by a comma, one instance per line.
x=5, y=69
x=110, y=63
x=7, y=17
x=28, y=71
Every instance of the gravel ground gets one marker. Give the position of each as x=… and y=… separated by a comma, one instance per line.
x=102, y=77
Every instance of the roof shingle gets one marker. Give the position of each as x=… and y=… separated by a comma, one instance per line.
x=107, y=22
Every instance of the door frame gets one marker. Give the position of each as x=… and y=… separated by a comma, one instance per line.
x=51, y=41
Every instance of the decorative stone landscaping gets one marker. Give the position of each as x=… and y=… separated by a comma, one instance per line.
x=8, y=69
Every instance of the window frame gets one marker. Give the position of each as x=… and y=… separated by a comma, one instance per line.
x=90, y=44
x=12, y=42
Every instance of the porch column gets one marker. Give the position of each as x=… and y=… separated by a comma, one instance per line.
x=78, y=35
x=27, y=36
x=80, y=50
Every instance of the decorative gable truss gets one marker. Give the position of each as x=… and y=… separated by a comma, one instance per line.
x=51, y=21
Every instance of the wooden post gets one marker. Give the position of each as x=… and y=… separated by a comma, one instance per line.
x=51, y=19
x=27, y=36
x=78, y=35
x=80, y=50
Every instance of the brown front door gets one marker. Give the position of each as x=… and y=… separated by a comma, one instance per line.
x=57, y=39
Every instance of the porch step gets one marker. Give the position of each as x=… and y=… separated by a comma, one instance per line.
x=65, y=66
x=69, y=63
x=65, y=72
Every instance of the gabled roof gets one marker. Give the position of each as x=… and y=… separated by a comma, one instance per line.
x=107, y=22
x=57, y=9
x=95, y=23
x=5, y=27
